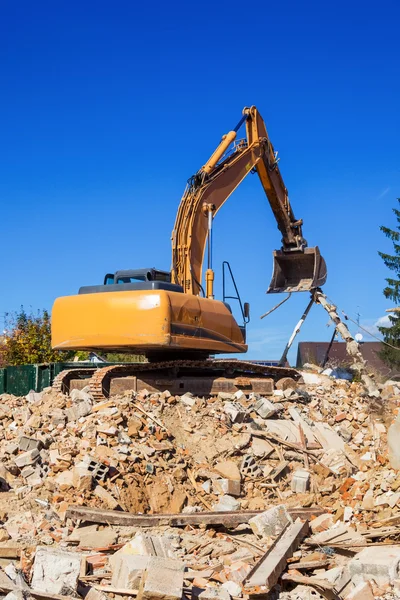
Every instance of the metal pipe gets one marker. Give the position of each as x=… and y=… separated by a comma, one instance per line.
x=209, y=273
x=242, y=120
x=329, y=349
x=209, y=241
x=296, y=331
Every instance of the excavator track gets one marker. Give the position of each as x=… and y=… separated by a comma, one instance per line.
x=179, y=376
x=61, y=382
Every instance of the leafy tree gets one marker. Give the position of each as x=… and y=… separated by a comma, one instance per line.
x=391, y=334
x=27, y=339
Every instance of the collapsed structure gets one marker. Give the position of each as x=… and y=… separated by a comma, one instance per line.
x=289, y=495
x=224, y=479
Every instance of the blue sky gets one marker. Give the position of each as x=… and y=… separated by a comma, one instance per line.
x=107, y=108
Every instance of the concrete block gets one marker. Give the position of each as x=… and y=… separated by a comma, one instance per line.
x=362, y=591
x=34, y=479
x=227, y=486
x=11, y=448
x=127, y=570
x=379, y=563
x=249, y=466
x=27, y=458
x=56, y=572
x=271, y=522
x=265, y=408
x=235, y=411
x=82, y=479
x=162, y=580
x=80, y=396
x=300, y=481
x=149, y=545
x=226, y=503
x=98, y=470
x=78, y=410
x=27, y=471
x=27, y=443
x=239, y=395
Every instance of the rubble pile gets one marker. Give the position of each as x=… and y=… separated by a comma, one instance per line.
x=291, y=495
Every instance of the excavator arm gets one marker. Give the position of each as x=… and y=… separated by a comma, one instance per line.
x=296, y=268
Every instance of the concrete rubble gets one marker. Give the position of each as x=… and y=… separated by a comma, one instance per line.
x=325, y=447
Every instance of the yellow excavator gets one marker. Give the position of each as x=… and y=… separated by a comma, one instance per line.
x=168, y=315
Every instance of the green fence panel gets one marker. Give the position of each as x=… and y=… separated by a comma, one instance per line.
x=21, y=379
x=3, y=381
x=43, y=377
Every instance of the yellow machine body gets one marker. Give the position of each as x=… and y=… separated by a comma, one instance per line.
x=159, y=313
x=145, y=322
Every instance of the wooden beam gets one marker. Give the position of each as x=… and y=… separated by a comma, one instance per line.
x=323, y=586
x=310, y=565
x=229, y=519
x=270, y=567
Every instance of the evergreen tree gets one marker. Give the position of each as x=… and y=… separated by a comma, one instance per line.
x=391, y=334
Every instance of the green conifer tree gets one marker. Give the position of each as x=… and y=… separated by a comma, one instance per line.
x=391, y=334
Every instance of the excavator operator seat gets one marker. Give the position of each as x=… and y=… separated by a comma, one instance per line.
x=297, y=271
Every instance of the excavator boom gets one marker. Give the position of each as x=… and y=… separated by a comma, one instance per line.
x=294, y=269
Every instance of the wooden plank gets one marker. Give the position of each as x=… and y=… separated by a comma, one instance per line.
x=108, y=589
x=323, y=584
x=229, y=519
x=270, y=567
x=310, y=565
x=10, y=552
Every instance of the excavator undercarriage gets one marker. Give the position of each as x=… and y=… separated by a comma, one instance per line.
x=200, y=377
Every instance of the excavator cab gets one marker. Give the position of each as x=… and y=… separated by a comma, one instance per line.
x=297, y=271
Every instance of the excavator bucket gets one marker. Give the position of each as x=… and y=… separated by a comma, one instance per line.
x=298, y=271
